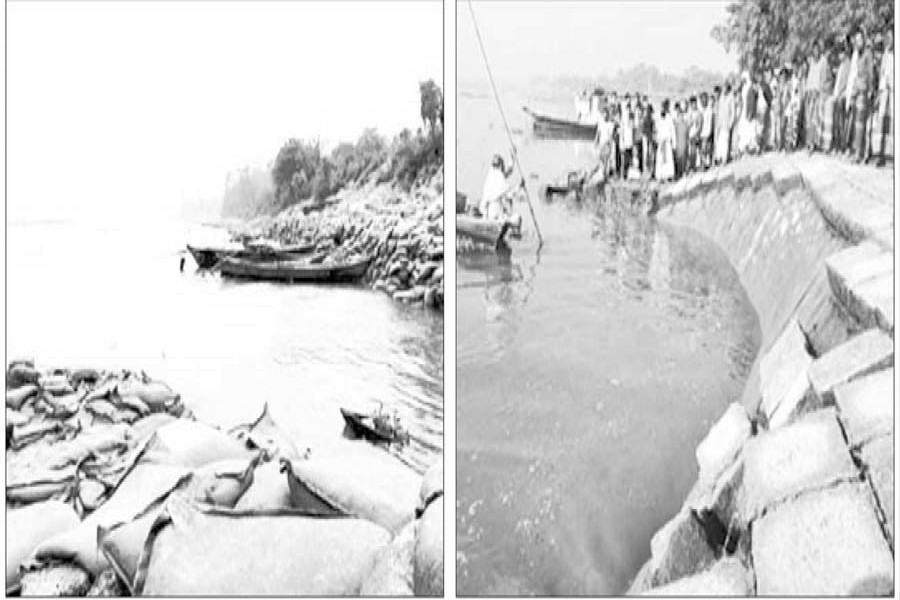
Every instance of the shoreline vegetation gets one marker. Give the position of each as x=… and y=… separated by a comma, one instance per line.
x=375, y=198
x=114, y=488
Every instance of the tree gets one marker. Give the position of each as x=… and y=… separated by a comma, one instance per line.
x=767, y=33
x=432, y=104
x=300, y=172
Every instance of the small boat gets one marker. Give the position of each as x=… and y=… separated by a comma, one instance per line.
x=560, y=129
x=485, y=231
x=207, y=258
x=372, y=429
x=293, y=270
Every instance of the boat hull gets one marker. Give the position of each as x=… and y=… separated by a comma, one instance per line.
x=293, y=271
x=485, y=231
x=560, y=129
x=357, y=424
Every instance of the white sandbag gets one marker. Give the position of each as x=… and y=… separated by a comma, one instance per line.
x=144, y=428
x=428, y=575
x=269, y=489
x=266, y=435
x=155, y=394
x=392, y=571
x=15, y=398
x=216, y=552
x=27, y=527
x=142, y=487
x=192, y=444
x=369, y=484
x=40, y=484
x=216, y=484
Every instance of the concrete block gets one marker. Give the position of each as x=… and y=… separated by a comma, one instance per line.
x=723, y=442
x=679, y=549
x=878, y=458
x=728, y=577
x=808, y=454
x=824, y=543
x=784, y=379
x=861, y=277
x=865, y=353
x=866, y=406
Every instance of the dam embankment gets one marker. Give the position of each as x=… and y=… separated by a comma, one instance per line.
x=795, y=487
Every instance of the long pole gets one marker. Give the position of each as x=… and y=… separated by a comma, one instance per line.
x=512, y=143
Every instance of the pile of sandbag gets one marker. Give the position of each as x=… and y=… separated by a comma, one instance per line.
x=106, y=504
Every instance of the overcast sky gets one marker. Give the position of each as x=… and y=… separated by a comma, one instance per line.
x=529, y=39
x=134, y=105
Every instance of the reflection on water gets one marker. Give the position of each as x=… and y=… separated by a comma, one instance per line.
x=109, y=296
x=587, y=374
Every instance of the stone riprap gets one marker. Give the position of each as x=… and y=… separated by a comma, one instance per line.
x=799, y=498
x=402, y=233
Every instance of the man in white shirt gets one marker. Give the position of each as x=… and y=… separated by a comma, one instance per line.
x=496, y=195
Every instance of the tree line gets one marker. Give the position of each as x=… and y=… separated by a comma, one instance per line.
x=303, y=171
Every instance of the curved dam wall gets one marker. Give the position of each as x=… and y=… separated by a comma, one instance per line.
x=795, y=486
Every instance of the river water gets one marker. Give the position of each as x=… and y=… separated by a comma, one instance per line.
x=588, y=373
x=110, y=295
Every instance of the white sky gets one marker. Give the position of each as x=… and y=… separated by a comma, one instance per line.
x=529, y=39
x=132, y=106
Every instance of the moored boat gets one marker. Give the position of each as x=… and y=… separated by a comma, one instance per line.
x=374, y=430
x=207, y=258
x=293, y=270
x=485, y=231
x=561, y=129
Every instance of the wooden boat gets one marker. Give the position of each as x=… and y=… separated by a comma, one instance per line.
x=560, y=129
x=206, y=258
x=293, y=270
x=484, y=231
x=365, y=426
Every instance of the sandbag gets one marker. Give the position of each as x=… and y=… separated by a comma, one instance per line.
x=217, y=552
x=17, y=397
x=192, y=444
x=155, y=394
x=432, y=484
x=15, y=418
x=392, y=570
x=27, y=527
x=56, y=384
x=265, y=434
x=142, y=487
x=80, y=376
x=63, y=406
x=20, y=374
x=428, y=562
x=40, y=484
x=143, y=429
x=369, y=484
x=216, y=484
x=56, y=580
x=134, y=403
x=269, y=489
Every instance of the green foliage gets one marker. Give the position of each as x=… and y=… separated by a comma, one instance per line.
x=301, y=171
x=767, y=33
x=432, y=104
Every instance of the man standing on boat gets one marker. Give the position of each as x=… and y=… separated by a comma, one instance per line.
x=498, y=191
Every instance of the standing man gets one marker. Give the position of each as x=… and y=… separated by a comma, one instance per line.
x=706, y=131
x=681, y=139
x=860, y=91
x=724, y=118
x=885, y=120
x=835, y=106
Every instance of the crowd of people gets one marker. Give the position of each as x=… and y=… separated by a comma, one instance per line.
x=839, y=100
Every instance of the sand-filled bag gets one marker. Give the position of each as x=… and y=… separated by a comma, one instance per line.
x=20, y=374
x=156, y=395
x=428, y=573
x=39, y=484
x=143, y=486
x=265, y=434
x=216, y=484
x=143, y=429
x=15, y=398
x=192, y=444
x=217, y=552
x=269, y=489
x=27, y=527
x=392, y=570
x=367, y=484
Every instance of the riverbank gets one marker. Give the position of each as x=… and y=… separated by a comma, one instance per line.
x=113, y=487
x=400, y=231
x=795, y=487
